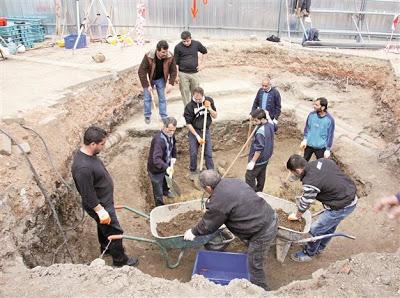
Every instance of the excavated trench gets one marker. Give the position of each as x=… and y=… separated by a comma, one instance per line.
x=127, y=161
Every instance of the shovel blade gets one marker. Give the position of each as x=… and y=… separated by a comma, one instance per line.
x=173, y=186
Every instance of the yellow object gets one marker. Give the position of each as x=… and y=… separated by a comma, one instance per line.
x=60, y=43
x=114, y=40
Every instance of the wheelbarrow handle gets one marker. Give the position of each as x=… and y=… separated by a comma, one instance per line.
x=316, y=238
x=140, y=213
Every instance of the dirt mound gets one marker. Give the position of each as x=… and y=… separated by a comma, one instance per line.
x=285, y=222
x=364, y=275
x=179, y=224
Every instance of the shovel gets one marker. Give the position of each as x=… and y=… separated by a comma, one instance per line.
x=172, y=185
x=203, y=146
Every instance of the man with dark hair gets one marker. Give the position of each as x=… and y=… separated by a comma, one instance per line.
x=157, y=69
x=260, y=151
x=187, y=60
x=162, y=157
x=318, y=131
x=323, y=181
x=268, y=98
x=96, y=188
x=194, y=117
x=234, y=203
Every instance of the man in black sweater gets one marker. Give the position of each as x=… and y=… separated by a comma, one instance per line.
x=187, y=60
x=96, y=188
x=162, y=157
x=194, y=117
x=322, y=181
x=234, y=203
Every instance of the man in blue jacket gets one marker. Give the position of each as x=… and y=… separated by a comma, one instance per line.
x=268, y=99
x=162, y=157
x=260, y=151
x=318, y=131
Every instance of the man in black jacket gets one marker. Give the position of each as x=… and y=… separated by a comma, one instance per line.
x=194, y=117
x=234, y=203
x=323, y=181
x=96, y=188
x=162, y=157
x=268, y=98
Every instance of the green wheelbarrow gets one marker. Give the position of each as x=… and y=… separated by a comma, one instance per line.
x=164, y=214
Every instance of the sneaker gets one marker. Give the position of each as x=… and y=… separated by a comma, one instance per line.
x=130, y=262
x=301, y=257
x=147, y=120
x=169, y=194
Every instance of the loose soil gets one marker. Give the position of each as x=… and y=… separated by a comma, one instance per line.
x=27, y=226
x=179, y=224
x=295, y=225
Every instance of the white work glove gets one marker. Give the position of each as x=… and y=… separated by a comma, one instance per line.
x=169, y=171
x=275, y=121
x=303, y=144
x=327, y=153
x=173, y=161
x=104, y=217
x=293, y=216
x=250, y=165
x=189, y=236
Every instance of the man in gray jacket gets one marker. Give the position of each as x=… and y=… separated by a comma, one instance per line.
x=234, y=203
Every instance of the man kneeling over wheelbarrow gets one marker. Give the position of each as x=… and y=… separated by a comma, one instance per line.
x=234, y=203
x=323, y=181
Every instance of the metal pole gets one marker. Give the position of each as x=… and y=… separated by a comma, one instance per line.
x=185, y=14
x=279, y=17
x=78, y=19
x=287, y=21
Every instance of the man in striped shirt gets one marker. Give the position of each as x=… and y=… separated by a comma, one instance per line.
x=323, y=181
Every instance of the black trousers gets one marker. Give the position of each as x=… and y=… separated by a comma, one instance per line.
x=116, y=248
x=160, y=187
x=256, y=177
x=308, y=152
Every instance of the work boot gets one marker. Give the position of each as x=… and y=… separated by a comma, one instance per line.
x=147, y=120
x=132, y=261
x=301, y=257
x=169, y=194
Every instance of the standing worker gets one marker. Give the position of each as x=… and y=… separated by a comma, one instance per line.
x=235, y=204
x=260, y=151
x=323, y=181
x=187, y=60
x=268, y=98
x=96, y=188
x=162, y=157
x=318, y=131
x=194, y=117
x=157, y=69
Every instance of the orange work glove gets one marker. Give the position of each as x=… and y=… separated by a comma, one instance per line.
x=104, y=217
x=200, y=140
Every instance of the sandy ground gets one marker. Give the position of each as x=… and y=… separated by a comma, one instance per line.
x=233, y=76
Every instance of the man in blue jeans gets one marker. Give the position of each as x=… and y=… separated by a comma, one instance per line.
x=322, y=180
x=194, y=117
x=157, y=69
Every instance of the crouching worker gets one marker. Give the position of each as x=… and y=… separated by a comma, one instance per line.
x=162, y=157
x=234, y=203
x=324, y=181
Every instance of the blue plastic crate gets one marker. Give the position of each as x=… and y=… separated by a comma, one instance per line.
x=69, y=41
x=221, y=267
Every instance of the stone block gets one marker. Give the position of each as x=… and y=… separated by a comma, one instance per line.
x=25, y=147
